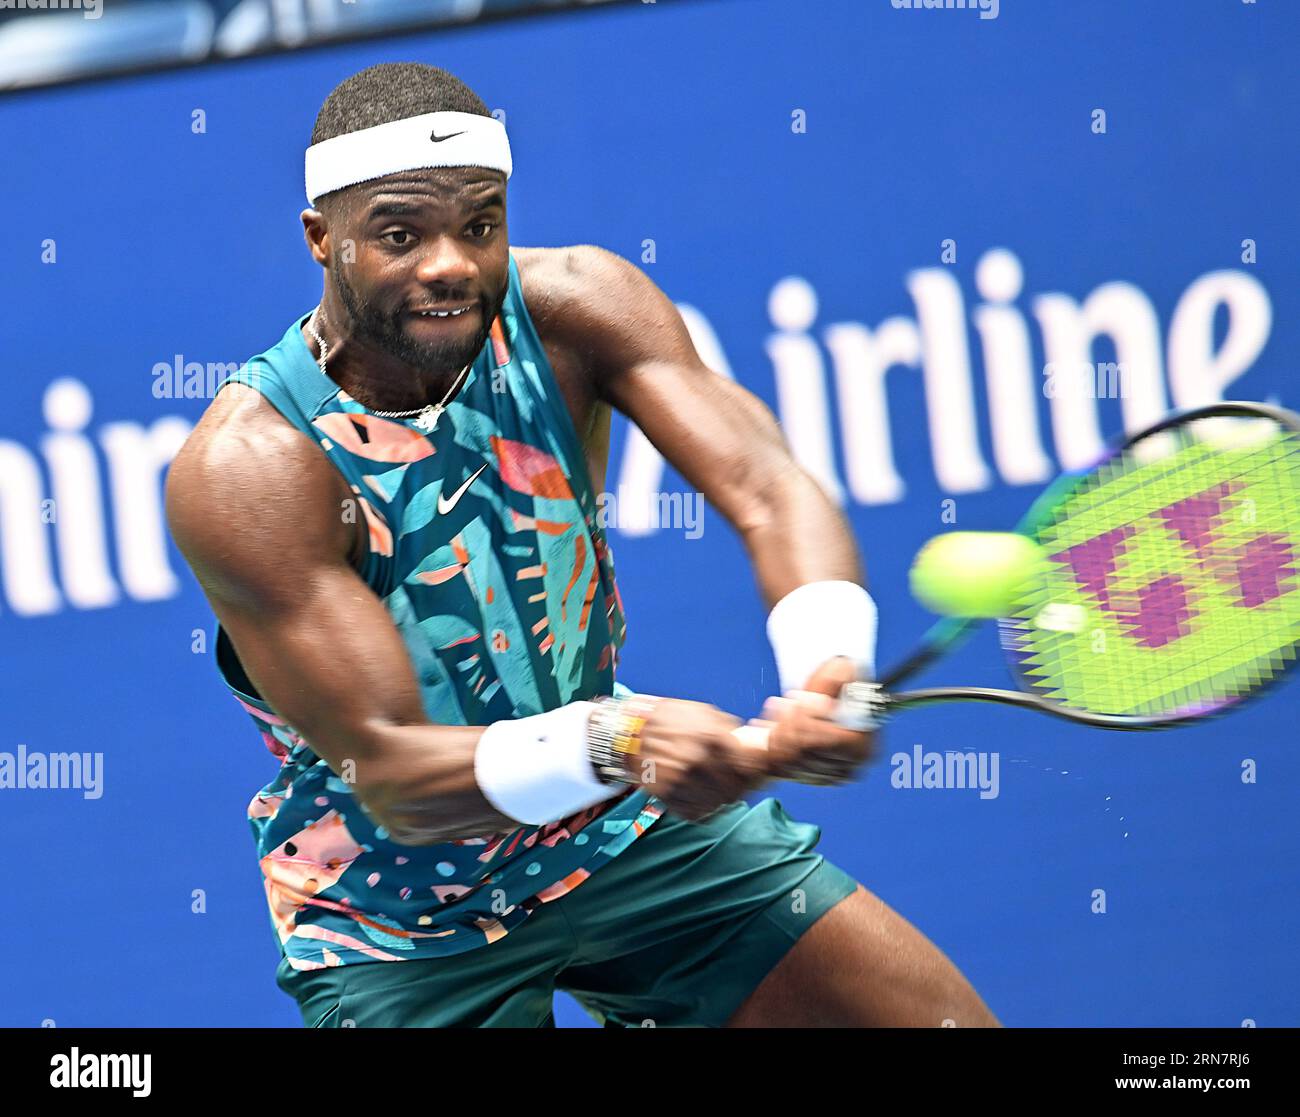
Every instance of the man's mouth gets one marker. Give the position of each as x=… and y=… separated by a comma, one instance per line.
x=443, y=312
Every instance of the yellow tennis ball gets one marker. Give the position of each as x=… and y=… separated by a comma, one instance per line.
x=976, y=573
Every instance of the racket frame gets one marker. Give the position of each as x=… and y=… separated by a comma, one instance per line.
x=865, y=705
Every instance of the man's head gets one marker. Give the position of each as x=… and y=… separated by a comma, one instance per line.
x=417, y=239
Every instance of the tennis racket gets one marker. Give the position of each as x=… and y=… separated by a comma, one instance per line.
x=1171, y=589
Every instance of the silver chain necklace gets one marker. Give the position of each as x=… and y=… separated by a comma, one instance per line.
x=425, y=418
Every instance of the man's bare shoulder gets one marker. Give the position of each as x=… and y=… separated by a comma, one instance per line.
x=586, y=300
x=240, y=430
x=573, y=271
x=246, y=475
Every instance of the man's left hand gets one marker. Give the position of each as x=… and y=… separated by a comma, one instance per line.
x=804, y=744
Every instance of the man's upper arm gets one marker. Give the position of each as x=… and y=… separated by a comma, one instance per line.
x=722, y=438
x=258, y=512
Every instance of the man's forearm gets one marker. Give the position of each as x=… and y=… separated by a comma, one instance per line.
x=800, y=536
x=442, y=783
x=424, y=789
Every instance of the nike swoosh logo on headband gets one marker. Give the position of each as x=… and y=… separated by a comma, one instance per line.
x=438, y=139
x=445, y=504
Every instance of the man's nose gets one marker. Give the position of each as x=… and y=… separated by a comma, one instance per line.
x=446, y=262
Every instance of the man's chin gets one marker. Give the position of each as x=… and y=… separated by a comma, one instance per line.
x=438, y=358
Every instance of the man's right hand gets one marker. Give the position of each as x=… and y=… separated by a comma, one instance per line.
x=691, y=760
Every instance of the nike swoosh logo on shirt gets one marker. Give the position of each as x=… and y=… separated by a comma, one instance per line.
x=446, y=504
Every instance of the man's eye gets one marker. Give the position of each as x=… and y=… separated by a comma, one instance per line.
x=488, y=225
x=397, y=233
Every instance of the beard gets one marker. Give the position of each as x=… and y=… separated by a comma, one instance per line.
x=388, y=332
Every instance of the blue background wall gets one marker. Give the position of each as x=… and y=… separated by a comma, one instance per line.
x=672, y=122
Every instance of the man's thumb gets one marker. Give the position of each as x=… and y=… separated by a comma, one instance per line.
x=832, y=675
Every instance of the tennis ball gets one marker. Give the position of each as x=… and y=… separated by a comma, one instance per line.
x=976, y=573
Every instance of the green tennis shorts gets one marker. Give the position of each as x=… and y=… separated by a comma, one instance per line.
x=676, y=931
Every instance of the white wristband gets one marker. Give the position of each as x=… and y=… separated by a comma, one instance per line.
x=818, y=621
x=536, y=769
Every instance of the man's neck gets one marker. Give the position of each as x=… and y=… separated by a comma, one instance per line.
x=376, y=380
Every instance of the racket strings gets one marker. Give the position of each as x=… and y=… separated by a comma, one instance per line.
x=1175, y=575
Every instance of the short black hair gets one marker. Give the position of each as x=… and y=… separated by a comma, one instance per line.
x=392, y=91
x=386, y=92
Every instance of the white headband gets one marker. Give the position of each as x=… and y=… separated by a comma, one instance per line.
x=436, y=139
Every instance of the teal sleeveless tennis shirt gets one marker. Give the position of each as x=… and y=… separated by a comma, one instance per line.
x=508, y=606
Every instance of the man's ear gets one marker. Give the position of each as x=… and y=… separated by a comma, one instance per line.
x=314, y=231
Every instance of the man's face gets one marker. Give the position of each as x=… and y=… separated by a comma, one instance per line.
x=425, y=240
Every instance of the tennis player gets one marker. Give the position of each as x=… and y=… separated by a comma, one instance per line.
x=393, y=513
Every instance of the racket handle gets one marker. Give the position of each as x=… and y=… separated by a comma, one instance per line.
x=860, y=707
